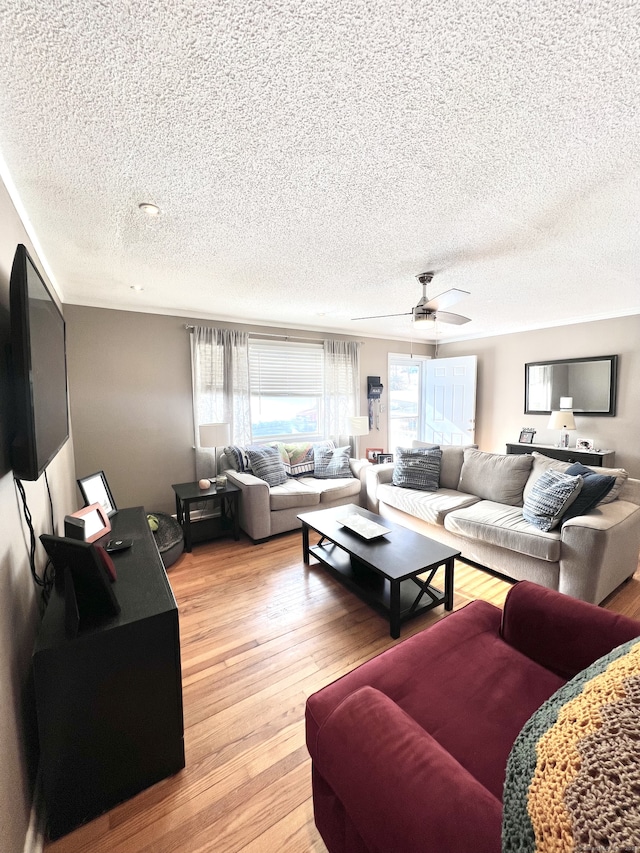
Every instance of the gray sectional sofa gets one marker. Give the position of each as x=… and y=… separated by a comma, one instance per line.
x=267, y=510
x=478, y=509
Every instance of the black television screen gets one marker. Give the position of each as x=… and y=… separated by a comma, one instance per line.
x=39, y=366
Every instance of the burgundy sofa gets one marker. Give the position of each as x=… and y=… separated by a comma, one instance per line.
x=409, y=750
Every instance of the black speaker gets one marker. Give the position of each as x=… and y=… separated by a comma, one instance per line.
x=74, y=527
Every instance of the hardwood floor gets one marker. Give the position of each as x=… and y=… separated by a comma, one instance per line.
x=260, y=631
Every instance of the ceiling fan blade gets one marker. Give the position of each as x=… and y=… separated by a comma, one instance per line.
x=446, y=299
x=455, y=319
x=381, y=316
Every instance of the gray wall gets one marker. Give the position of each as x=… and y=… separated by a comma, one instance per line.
x=500, y=402
x=19, y=617
x=130, y=389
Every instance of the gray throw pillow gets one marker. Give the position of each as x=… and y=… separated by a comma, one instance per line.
x=418, y=468
x=237, y=458
x=267, y=464
x=331, y=463
x=494, y=476
x=552, y=494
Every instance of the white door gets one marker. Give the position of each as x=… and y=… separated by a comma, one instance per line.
x=450, y=400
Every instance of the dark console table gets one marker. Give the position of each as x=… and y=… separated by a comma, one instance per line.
x=601, y=458
x=109, y=700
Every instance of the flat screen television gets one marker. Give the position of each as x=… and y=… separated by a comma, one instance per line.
x=39, y=367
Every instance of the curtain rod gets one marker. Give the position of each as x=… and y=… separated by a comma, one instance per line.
x=190, y=328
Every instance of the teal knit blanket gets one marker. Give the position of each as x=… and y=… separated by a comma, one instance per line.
x=573, y=776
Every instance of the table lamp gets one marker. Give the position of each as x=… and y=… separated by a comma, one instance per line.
x=358, y=426
x=564, y=421
x=214, y=435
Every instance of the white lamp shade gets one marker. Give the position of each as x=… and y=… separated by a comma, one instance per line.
x=214, y=435
x=561, y=420
x=359, y=425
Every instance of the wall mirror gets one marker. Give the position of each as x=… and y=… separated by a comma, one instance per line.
x=590, y=382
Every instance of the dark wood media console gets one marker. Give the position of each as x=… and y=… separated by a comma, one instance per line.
x=109, y=701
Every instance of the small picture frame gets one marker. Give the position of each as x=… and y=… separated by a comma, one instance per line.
x=526, y=435
x=95, y=522
x=95, y=490
x=384, y=457
x=371, y=453
x=585, y=444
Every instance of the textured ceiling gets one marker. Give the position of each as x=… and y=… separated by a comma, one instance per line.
x=310, y=158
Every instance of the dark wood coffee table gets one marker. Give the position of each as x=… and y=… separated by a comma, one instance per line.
x=382, y=572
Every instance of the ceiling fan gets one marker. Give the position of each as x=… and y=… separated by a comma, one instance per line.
x=431, y=309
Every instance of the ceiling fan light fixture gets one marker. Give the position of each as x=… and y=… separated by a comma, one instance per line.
x=421, y=316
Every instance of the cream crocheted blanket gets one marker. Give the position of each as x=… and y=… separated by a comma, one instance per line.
x=573, y=775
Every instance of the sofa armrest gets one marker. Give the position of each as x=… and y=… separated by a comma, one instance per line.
x=255, y=509
x=599, y=550
x=359, y=469
x=375, y=475
x=559, y=632
x=401, y=790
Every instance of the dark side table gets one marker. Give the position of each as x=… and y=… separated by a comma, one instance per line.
x=225, y=499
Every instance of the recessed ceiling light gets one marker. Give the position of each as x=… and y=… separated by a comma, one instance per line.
x=149, y=208
x=136, y=287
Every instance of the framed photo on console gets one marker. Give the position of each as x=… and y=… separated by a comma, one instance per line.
x=95, y=490
x=92, y=522
x=585, y=444
x=526, y=435
x=384, y=457
x=371, y=453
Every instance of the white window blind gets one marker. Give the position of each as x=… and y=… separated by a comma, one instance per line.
x=286, y=369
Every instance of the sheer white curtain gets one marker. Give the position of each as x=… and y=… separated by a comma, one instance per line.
x=341, y=387
x=220, y=381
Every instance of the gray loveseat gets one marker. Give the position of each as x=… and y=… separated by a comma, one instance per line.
x=477, y=509
x=267, y=510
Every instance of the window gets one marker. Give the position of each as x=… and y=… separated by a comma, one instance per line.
x=406, y=382
x=287, y=387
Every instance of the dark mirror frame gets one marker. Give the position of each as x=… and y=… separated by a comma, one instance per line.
x=611, y=360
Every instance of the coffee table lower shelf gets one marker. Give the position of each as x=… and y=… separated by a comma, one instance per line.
x=395, y=600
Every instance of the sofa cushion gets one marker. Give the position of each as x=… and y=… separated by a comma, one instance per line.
x=542, y=463
x=494, y=476
x=417, y=468
x=621, y=477
x=267, y=464
x=331, y=463
x=595, y=488
x=550, y=497
x=332, y=489
x=451, y=463
x=292, y=494
x=503, y=525
x=429, y=506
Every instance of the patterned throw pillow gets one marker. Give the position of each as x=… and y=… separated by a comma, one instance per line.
x=331, y=463
x=417, y=468
x=594, y=489
x=267, y=464
x=299, y=461
x=237, y=458
x=552, y=494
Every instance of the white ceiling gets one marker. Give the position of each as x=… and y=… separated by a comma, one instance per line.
x=311, y=158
